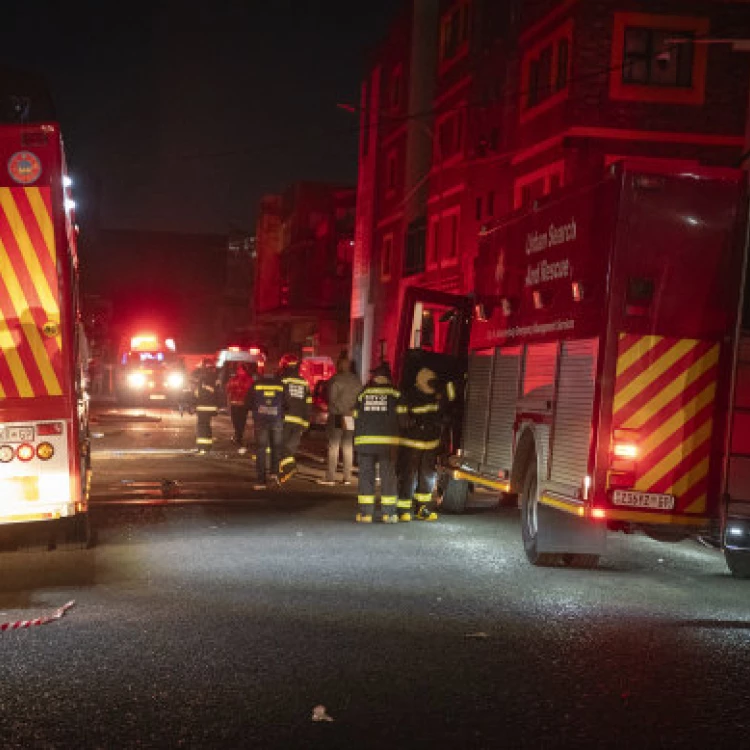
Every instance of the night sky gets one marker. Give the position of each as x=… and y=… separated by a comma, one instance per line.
x=178, y=115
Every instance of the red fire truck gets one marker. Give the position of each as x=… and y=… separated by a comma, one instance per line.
x=44, y=437
x=603, y=365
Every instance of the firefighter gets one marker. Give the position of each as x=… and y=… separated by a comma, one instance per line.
x=204, y=397
x=266, y=401
x=426, y=405
x=297, y=401
x=376, y=440
x=237, y=389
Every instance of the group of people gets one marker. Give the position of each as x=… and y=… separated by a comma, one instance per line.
x=396, y=436
x=279, y=403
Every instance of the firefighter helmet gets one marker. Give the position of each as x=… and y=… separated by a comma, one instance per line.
x=288, y=360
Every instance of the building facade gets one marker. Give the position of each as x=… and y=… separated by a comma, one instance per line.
x=473, y=109
x=303, y=287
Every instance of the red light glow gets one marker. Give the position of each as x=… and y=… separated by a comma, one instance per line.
x=625, y=450
x=51, y=428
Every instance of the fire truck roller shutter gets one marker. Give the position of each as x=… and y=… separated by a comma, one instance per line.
x=476, y=414
x=502, y=410
x=574, y=407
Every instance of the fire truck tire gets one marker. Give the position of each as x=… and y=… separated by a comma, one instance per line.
x=738, y=563
x=580, y=561
x=455, y=495
x=529, y=518
x=75, y=533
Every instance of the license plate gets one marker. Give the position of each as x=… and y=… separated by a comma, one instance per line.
x=16, y=434
x=643, y=500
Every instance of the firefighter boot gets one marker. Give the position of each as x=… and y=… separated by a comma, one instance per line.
x=366, y=507
x=363, y=518
x=424, y=507
x=404, y=510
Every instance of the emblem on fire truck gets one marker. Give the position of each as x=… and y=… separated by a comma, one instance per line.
x=24, y=167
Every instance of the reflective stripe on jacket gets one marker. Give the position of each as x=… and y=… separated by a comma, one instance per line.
x=297, y=398
x=376, y=419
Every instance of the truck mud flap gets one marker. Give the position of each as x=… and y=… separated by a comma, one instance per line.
x=559, y=533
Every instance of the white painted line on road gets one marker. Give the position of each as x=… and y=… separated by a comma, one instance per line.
x=135, y=452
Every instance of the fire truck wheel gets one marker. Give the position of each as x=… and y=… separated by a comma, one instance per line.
x=455, y=495
x=738, y=563
x=580, y=561
x=530, y=518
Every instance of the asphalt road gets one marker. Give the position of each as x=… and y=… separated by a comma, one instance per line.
x=222, y=617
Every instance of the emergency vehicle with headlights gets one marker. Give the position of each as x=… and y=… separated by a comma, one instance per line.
x=45, y=466
x=608, y=382
x=149, y=371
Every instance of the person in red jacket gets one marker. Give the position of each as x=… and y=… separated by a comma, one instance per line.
x=237, y=389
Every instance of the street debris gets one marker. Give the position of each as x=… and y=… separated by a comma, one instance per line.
x=319, y=714
x=19, y=624
x=478, y=634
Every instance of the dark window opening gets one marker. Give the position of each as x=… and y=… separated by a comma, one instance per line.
x=652, y=58
x=416, y=240
x=561, y=78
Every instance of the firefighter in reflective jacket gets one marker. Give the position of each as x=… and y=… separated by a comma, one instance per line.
x=204, y=396
x=297, y=401
x=377, y=418
x=266, y=401
x=426, y=406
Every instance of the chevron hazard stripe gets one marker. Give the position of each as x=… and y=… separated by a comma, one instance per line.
x=664, y=391
x=30, y=358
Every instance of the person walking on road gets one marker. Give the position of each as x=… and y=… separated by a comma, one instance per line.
x=297, y=401
x=343, y=389
x=237, y=389
x=376, y=440
x=266, y=401
x=206, y=409
x=425, y=421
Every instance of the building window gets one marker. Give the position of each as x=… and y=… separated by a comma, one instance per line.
x=655, y=60
x=454, y=31
x=433, y=242
x=391, y=171
x=452, y=239
x=651, y=60
x=450, y=140
x=479, y=208
x=491, y=203
x=545, y=71
x=539, y=183
x=386, y=257
x=414, y=258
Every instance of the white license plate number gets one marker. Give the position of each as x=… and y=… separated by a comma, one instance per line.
x=16, y=434
x=649, y=500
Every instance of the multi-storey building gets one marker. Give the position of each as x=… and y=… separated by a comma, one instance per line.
x=304, y=245
x=516, y=100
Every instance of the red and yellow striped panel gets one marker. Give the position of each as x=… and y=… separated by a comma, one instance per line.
x=30, y=342
x=665, y=390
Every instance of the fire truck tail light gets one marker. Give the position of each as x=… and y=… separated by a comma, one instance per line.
x=25, y=452
x=254, y=350
x=598, y=513
x=625, y=444
x=45, y=451
x=6, y=453
x=622, y=449
x=51, y=428
x=175, y=380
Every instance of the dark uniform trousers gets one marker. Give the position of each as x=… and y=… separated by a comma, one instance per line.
x=268, y=444
x=384, y=461
x=417, y=476
x=291, y=437
x=205, y=411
